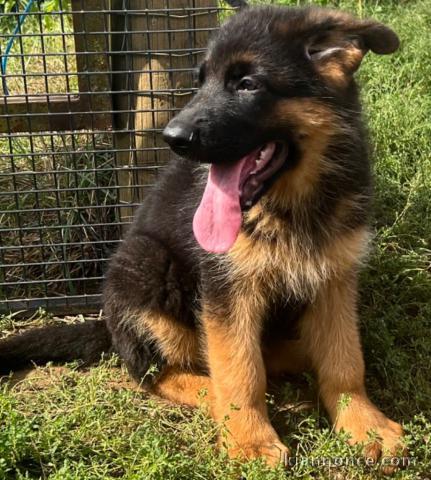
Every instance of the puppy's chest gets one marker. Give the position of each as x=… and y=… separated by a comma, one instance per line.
x=283, y=265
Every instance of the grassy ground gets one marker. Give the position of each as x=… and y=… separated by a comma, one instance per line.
x=66, y=424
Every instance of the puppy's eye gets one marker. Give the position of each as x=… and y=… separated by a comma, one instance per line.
x=248, y=84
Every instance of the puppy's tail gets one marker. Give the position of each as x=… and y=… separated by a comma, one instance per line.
x=57, y=343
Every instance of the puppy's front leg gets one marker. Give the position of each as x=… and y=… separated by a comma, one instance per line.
x=239, y=379
x=331, y=335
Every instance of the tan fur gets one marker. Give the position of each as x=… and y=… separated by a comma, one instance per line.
x=233, y=344
x=338, y=68
x=240, y=57
x=185, y=388
x=336, y=72
x=315, y=124
x=288, y=356
x=178, y=344
x=289, y=264
x=330, y=334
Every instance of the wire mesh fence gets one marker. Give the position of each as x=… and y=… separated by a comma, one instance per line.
x=85, y=90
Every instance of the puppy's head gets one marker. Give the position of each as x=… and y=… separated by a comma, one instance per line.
x=272, y=78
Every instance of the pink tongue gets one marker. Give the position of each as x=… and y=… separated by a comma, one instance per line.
x=217, y=220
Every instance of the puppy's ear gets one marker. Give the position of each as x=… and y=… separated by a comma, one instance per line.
x=378, y=37
x=339, y=47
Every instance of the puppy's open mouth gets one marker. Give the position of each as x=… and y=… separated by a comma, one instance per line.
x=232, y=188
x=260, y=167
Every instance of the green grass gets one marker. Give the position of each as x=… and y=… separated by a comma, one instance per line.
x=72, y=425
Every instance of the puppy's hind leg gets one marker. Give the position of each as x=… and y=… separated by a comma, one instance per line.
x=186, y=388
x=139, y=352
x=147, y=309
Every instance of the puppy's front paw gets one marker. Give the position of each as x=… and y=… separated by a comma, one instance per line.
x=273, y=453
x=382, y=437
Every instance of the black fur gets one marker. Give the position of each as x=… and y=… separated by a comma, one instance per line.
x=57, y=343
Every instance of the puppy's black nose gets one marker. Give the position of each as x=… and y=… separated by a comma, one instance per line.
x=180, y=137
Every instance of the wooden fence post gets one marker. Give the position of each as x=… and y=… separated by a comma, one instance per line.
x=164, y=45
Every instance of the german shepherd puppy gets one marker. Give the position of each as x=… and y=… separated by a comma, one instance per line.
x=242, y=263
